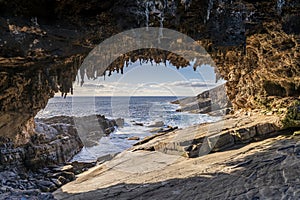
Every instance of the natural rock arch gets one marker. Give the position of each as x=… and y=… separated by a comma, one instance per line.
x=244, y=39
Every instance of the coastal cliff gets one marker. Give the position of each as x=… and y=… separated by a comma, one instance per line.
x=213, y=102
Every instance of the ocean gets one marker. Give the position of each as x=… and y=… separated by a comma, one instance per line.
x=142, y=110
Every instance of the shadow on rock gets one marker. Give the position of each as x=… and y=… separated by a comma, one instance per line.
x=266, y=169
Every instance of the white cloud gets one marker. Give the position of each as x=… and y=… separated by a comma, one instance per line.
x=93, y=85
x=191, y=84
x=125, y=86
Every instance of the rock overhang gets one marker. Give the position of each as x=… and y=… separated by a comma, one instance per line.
x=255, y=46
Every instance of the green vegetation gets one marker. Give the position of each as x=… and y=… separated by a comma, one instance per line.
x=292, y=116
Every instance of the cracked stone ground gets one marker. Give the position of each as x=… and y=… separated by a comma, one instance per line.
x=260, y=170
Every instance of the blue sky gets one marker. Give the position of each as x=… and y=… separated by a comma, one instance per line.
x=148, y=80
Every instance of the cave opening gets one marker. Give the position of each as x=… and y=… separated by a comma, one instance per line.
x=141, y=97
x=112, y=114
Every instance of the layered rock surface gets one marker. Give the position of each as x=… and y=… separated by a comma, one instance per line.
x=213, y=101
x=266, y=169
x=55, y=140
x=50, y=144
x=202, y=161
x=30, y=170
x=199, y=140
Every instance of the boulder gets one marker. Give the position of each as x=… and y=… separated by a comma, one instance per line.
x=79, y=167
x=156, y=124
x=138, y=124
x=120, y=122
x=133, y=138
x=213, y=101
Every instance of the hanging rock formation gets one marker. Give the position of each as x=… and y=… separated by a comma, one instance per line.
x=255, y=45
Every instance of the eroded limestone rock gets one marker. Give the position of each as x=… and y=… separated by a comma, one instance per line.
x=213, y=101
x=211, y=137
x=255, y=46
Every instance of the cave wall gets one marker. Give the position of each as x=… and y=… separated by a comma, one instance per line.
x=255, y=45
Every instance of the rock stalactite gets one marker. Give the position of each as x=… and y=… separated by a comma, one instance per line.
x=255, y=45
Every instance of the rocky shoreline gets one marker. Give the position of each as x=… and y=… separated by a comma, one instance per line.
x=212, y=153
x=167, y=148
x=18, y=183
x=38, y=168
x=35, y=170
x=213, y=102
